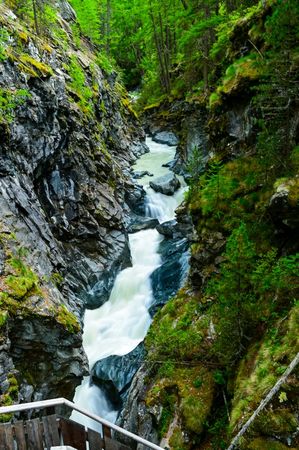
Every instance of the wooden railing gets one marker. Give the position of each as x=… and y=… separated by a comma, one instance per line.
x=51, y=431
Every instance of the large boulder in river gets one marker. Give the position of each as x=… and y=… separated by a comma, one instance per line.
x=167, y=184
x=116, y=372
x=166, y=137
x=139, y=223
x=169, y=276
x=167, y=228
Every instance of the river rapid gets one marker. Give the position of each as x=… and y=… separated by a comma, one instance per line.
x=118, y=326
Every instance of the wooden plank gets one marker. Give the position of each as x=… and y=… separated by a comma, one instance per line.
x=111, y=444
x=6, y=437
x=107, y=432
x=95, y=440
x=20, y=435
x=51, y=433
x=34, y=435
x=73, y=434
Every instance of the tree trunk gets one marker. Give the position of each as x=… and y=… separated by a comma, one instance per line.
x=108, y=27
x=34, y=6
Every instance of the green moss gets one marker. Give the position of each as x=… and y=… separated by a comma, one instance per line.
x=178, y=331
x=176, y=392
x=56, y=278
x=34, y=67
x=214, y=100
x=267, y=444
x=9, y=397
x=23, y=281
x=255, y=380
x=176, y=440
x=67, y=319
x=3, y=316
x=242, y=71
x=294, y=158
x=278, y=422
x=128, y=105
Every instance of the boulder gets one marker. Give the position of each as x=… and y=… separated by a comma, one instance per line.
x=166, y=137
x=141, y=174
x=167, y=228
x=118, y=370
x=134, y=197
x=170, y=164
x=142, y=223
x=166, y=184
x=168, y=278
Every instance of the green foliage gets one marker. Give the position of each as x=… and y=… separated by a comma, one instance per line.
x=105, y=63
x=9, y=101
x=277, y=349
x=4, y=37
x=177, y=333
x=9, y=397
x=88, y=13
x=3, y=317
x=79, y=86
x=282, y=27
x=235, y=307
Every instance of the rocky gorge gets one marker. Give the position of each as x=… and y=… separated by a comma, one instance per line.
x=71, y=205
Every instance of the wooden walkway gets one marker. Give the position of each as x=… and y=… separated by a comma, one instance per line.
x=52, y=431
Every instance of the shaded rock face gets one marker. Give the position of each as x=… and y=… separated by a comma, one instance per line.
x=136, y=416
x=169, y=277
x=167, y=184
x=63, y=187
x=115, y=373
x=43, y=350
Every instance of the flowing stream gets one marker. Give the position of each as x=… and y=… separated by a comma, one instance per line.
x=118, y=326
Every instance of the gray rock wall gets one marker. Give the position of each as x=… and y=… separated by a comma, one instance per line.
x=63, y=179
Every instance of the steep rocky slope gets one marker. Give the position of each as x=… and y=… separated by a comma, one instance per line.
x=67, y=139
x=218, y=347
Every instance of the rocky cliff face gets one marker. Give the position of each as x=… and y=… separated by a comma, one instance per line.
x=67, y=141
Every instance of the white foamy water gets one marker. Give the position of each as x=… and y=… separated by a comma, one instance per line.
x=118, y=326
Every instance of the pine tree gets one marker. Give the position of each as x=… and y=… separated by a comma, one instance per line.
x=235, y=302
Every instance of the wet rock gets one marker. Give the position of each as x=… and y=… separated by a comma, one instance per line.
x=119, y=370
x=170, y=164
x=167, y=228
x=138, y=175
x=44, y=351
x=135, y=198
x=135, y=416
x=169, y=277
x=139, y=148
x=166, y=184
x=166, y=137
x=142, y=223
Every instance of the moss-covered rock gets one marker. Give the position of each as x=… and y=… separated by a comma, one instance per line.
x=187, y=392
x=269, y=444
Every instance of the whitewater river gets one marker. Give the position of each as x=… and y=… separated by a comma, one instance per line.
x=118, y=326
